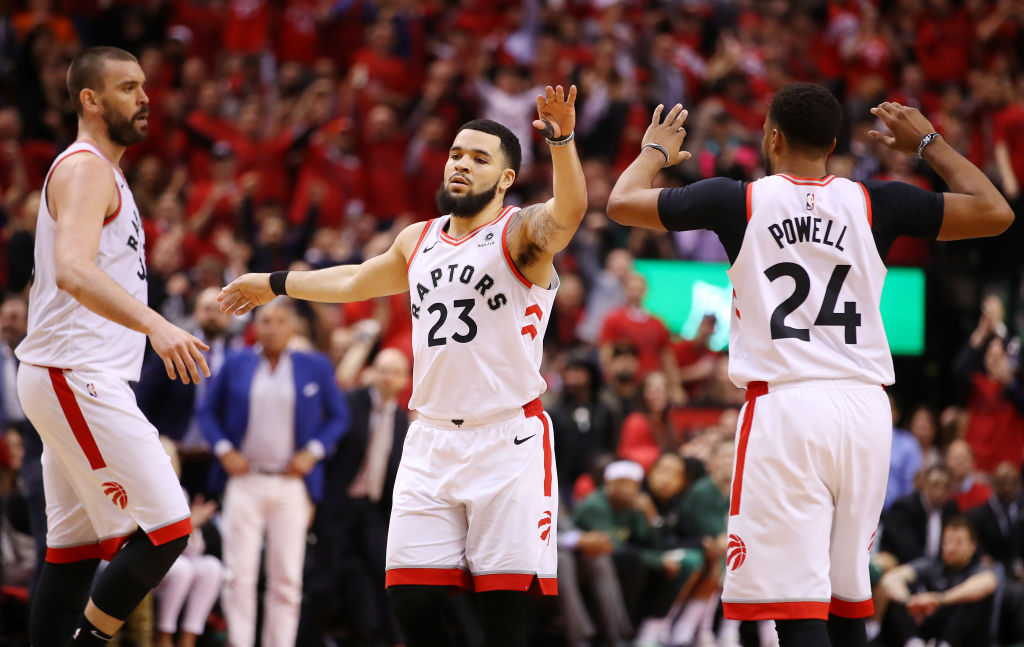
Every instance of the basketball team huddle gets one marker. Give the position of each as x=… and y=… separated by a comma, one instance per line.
x=476, y=498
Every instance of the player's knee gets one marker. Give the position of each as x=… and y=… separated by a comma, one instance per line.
x=152, y=562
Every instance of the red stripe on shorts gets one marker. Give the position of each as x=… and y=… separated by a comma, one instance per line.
x=535, y=409
x=105, y=549
x=775, y=610
x=754, y=389
x=171, y=531
x=429, y=576
x=73, y=414
x=846, y=609
x=527, y=582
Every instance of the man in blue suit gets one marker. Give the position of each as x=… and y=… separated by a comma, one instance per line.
x=271, y=415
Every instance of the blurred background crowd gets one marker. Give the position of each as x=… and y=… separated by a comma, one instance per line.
x=306, y=133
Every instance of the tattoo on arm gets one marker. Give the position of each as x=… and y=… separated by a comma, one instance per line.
x=538, y=228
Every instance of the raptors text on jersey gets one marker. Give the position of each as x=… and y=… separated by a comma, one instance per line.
x=477, y=324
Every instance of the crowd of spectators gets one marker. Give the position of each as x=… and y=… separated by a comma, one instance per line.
x=306, y=133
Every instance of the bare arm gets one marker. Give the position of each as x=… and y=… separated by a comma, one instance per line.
x=540, y=231
x=974, y=588
x=896, y=583
x=632, y=201
x=974, y=208
x=379, y=276
x=81, y=194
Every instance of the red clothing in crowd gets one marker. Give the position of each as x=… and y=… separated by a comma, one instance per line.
x=638, y=441
x=246, y=28
x=1008, y=128
x=342, y=178
x=976, y=494
x=640, y=328
x=942, y=47
x=995, y=431
x=386, y=190
x=266, y=158
x=297, y=40
x=206, y=25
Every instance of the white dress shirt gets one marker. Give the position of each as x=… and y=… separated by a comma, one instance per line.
x=269, y=441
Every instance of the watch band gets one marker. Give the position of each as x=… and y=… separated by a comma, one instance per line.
x=927, y=139
x=658, y=147
x=562, y=141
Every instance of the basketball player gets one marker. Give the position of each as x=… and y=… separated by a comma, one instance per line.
x=111, y=492
x=807, y=342
x=476, y=497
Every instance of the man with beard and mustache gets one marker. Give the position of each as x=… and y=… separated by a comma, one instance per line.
x=111, y=492
x=476, y=499
x=807, y=251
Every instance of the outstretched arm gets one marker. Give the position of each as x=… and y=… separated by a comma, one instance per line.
x=379, y=276
x=632, y=201
x=974, y=208
x=540, y=231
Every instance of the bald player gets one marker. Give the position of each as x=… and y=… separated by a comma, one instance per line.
x=111, y=492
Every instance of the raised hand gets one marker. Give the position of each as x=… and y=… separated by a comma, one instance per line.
x=245, y=293
x=556, y=113
x=669, y=134
x=906, y=124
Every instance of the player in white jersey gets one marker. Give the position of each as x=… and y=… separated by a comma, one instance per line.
x=807, y=252
x=110, y=490
x=476, y=499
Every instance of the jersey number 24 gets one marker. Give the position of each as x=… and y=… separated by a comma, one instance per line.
x=849, y=318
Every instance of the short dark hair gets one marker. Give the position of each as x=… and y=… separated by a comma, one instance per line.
x=807, y=114
x=86, y=70
x=961, y=521
x=510, y=147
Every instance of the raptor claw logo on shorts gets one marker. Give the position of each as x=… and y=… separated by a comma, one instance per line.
x=736, y=553
x=116, y=493
x=545, y=525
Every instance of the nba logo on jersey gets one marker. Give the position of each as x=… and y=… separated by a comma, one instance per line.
x=809, y=204
x=91, y=388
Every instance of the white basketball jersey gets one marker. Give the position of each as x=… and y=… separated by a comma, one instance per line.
x=807, y=285
x=63, y=333
x=477, y=323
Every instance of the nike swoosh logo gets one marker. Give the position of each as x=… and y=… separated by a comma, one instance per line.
x=520, y=441
x=427, y=249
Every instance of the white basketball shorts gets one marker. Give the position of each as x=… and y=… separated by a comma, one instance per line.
x=476, y=505
x=812, y=460
x=105, y=473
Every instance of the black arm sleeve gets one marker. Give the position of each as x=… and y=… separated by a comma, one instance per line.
x=899, y=209
x=718, y=204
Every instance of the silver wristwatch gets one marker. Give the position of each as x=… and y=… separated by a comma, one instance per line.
x=927, y=139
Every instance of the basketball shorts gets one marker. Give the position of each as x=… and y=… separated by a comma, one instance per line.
x=809, y=479
x=476, y=504
x=105, y=473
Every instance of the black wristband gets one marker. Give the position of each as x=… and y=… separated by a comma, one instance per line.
x=277, y=280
